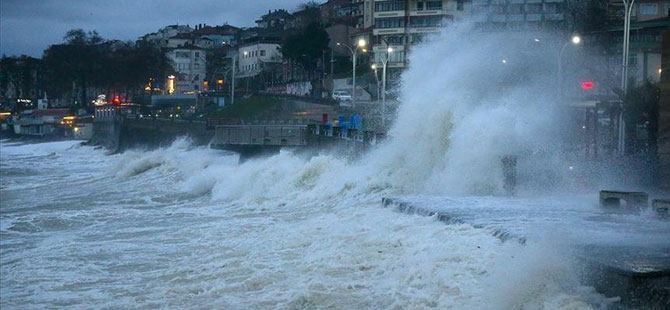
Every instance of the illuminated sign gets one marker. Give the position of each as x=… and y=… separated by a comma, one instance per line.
x=586, y=85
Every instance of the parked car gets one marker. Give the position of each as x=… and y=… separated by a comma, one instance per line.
x=341, y=95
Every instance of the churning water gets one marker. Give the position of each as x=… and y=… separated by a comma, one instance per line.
x=187, y=227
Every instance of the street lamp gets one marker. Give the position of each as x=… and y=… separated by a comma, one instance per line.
x=360, y=44
x=374, y=67
x=575, y=40
x=385, y=61
x=628, y=9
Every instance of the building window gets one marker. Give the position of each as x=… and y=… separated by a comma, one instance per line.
x=648, y=9
x=550, y=8
x=262, y=52
x=534, y=8
x=394, y=22
x=182, y=55
x=416, y=38
x=196, y=66
x=197, y=54
x=391, y=40
x=459, y=5
x=389, y=6
x=419, y=6
x=433, y=5
x=426, y=21
x=514, y=8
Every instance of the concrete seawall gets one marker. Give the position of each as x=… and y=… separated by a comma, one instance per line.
x=119, y=134
x=161, y=132
x=639, y=275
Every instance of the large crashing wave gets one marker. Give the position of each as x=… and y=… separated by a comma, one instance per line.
x=467, y=99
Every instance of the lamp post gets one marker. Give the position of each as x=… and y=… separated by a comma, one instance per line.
x=360, y=44
x=385, y=61
x=232, y=88
x=374, y=67
x=575, y=41
x=628, y=9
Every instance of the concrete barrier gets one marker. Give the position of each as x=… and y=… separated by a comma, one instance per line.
x=632, y=199
x=661, y=206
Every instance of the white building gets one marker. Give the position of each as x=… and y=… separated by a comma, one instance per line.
x=402, y=23
x=254, y=57
x=191, y=66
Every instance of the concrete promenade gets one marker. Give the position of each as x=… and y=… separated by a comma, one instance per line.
x=627, y=254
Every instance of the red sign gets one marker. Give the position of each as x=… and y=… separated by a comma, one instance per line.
x=586, y=85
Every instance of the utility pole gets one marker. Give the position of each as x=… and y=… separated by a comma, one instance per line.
x=628, y=9
x=232, y=89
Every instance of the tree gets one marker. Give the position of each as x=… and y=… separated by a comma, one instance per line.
x=306, y=47
x=20, y=74
x=76, y=64
x=641, y=109
x=87, y=63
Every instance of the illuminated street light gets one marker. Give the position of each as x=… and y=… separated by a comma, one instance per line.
x=576, y=39
x=170, y=85
x=361, y=44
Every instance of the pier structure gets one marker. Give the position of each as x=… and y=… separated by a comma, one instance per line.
x=259, y=139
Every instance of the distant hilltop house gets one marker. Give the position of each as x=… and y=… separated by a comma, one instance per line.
x=275, y=19
x=206, y=37
x=160, y=37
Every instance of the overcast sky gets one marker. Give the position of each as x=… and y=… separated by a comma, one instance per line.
x=30, y=26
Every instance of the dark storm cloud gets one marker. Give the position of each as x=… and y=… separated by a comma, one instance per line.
x=30, y=26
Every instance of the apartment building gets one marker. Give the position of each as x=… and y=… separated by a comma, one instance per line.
x=403, y=23
x=190, y=62
x=524, y=14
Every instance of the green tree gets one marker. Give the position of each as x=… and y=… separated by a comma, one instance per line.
x=306, y=48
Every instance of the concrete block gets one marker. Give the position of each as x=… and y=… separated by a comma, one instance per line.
x=633, y=199
x=661, y=206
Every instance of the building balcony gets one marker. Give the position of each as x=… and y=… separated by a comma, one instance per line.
x=515, y=18
x=533, y=1
x=554, y=1
x=426, y=13
x=498, y=18
x=380, y=31
x=424, y=29
x=533, y=17
x=553, y=17
x=380, y=48
x=386, y=14
x=395, y=65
